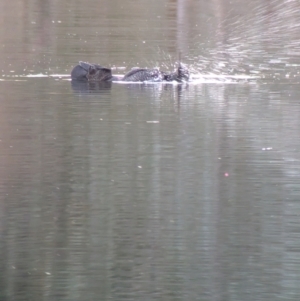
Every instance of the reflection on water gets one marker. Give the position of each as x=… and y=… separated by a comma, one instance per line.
x=150, y=191
x=121, y=191
x=87, y=87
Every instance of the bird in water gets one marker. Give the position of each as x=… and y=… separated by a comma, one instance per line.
x=93, y=72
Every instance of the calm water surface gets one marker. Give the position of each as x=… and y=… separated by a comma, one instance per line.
x=150, y=191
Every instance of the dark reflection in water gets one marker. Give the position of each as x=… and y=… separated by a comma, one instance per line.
x=91, y=87
x=149, y=191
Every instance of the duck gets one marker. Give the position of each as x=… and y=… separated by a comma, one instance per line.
x=96, y=73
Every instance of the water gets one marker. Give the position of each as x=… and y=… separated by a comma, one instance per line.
x=150, y=191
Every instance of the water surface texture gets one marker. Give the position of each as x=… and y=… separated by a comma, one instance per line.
x=149, y=191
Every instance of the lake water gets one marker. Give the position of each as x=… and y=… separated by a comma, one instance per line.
x=150, y=191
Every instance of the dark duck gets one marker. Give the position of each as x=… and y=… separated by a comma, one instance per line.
x=93, y=72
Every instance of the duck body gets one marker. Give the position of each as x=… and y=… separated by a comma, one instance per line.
x=142, y=75
x=93, y=72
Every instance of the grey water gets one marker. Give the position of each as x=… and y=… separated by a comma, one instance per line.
x=150, y=191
